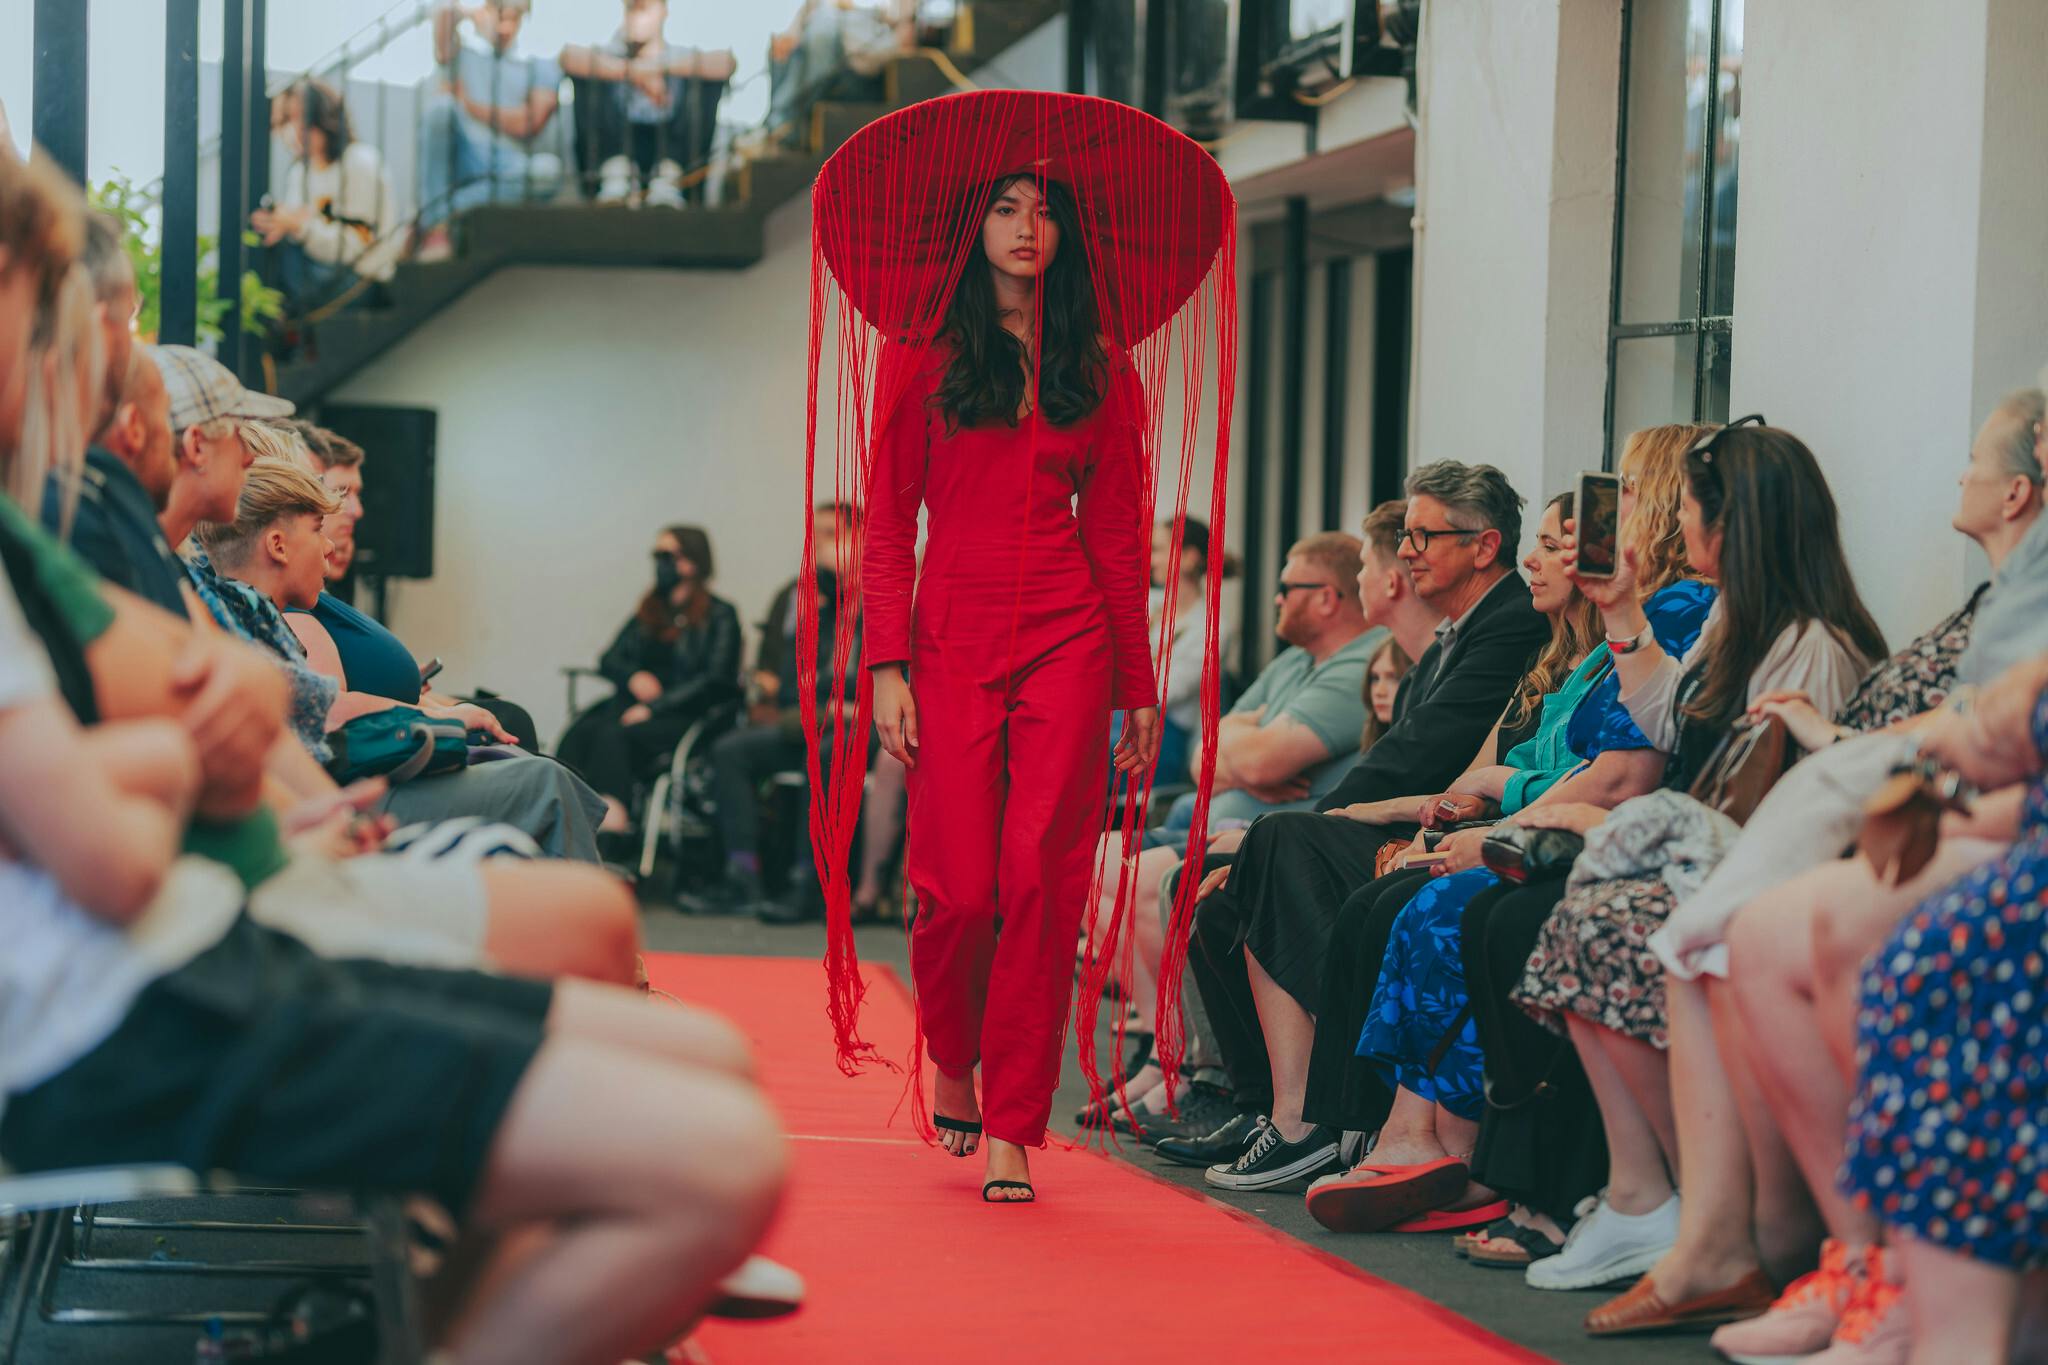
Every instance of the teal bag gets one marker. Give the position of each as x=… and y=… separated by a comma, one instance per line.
x=397, y=745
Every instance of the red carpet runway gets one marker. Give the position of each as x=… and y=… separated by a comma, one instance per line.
x=906, y=1265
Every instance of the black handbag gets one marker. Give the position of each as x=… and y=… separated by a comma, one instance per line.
x=1520, y=855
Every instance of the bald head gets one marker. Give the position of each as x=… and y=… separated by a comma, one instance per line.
x=140, y=432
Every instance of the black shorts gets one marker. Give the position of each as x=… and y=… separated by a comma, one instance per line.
x=263, y=1059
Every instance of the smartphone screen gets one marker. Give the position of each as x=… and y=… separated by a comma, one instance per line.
x=1599, y=517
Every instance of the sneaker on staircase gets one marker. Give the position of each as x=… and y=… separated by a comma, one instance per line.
x=615, y=180
x=665, y=189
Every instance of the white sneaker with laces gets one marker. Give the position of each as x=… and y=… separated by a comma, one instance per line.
x=1604, y=1247
x=665, y=189
x=615, y=180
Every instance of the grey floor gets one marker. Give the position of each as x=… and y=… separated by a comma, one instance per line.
x=1547, y=1323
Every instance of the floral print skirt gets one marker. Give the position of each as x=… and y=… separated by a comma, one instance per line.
x=1593, y=959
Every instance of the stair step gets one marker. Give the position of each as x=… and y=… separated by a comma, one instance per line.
x=768, y=181
x=910, y=80
x=993, y=27
x=833, y=122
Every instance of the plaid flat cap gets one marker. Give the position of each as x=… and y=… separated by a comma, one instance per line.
x=201, y=389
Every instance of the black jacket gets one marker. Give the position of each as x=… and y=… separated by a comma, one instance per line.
x=702, y=664
x=1445, y=707
x=114, y=529
x=778, y=648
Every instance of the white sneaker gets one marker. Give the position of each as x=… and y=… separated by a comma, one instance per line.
x=615, y=180
x=665, y=190
x=1604, y=1247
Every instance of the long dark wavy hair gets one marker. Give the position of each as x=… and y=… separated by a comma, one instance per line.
x=656, y=614
x=986, y=377
x=1781, y=559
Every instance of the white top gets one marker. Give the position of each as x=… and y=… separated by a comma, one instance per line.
x=1181, y=703
x=354, y=218
x=1806, y=657
x=67, y=977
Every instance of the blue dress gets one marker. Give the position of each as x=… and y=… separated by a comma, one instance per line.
x=1949, y=1138
x=1421, y=992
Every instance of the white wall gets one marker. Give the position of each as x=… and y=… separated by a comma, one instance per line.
x=1891, y=274
x=1515, y=211
x=580, y=411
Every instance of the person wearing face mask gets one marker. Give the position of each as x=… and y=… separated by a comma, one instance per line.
x=676, y=656
x=772, y=741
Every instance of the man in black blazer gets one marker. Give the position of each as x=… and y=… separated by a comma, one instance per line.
x=1274, y=912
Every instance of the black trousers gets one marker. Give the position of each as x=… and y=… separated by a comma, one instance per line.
x=741, y=761
x=613, y=757
x=603, y=131
x=1540, y=1142
x=1289, y=879
x=1346, y=1090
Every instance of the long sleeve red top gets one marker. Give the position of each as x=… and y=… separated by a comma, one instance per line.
x=1033, y=530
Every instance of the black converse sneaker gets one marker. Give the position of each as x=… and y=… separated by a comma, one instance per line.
x=1272, y=1161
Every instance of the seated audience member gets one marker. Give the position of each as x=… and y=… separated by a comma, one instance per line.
x=122, y=953
x=834, y=49
x=675, y=657
x=1760, y=521
x=335, y=221
x=1765, y=959
x=1269, y=906
x=1180, y=705
x=773, y=740
x=644, y=110
x=1943, y=1145
x=476, y=136
x=339, y=462
x=1523, y=756
x=1289, y=737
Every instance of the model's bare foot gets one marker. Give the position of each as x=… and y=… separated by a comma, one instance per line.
x=1008, y=1161
x=953, y=1097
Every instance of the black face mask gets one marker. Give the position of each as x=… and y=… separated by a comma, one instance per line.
x=666, y=574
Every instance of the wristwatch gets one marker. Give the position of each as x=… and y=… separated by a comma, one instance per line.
x=1630, y=645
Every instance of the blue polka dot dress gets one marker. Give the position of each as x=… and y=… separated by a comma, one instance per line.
x=1948, y=1139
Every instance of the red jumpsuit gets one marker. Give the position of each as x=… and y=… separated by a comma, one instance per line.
x=1029, y=628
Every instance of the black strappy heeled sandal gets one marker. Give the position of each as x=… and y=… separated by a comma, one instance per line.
x=953, y=1125
x=1023, y=1185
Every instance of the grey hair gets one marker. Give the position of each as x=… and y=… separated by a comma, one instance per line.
x=1477, y=497
x=2019, y=451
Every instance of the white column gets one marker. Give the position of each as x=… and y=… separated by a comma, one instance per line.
x=1891, y=277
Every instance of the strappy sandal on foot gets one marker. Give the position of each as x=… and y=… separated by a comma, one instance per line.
x=991, y=1186
x=1501, y=1227
x=953, y=1125
x=1511, y=1250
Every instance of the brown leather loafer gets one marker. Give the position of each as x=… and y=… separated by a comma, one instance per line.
x=1641, y=1310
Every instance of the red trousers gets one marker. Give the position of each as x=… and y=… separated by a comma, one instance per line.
x=1006, y=805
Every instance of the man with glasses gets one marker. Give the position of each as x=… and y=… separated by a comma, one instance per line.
x=1273, y=910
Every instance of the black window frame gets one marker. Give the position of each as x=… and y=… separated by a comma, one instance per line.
x=1710, y=331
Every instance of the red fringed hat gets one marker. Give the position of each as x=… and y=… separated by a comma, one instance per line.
x=897, y=215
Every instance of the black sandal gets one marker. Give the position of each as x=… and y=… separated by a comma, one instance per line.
x=953, y=1125
x=1023, y=1185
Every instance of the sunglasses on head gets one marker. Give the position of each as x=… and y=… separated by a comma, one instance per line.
x=1703, y=448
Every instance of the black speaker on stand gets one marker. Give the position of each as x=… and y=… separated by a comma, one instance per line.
x=395, y=538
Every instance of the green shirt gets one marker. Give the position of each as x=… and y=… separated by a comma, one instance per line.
x=252, y=847
x=1546, y=758
x=1327, y=697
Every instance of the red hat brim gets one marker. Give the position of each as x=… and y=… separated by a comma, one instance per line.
x=892, y=205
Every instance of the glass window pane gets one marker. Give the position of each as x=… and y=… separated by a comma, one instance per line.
x=1666, y=109
x=1653, y=381
x=1727, y=149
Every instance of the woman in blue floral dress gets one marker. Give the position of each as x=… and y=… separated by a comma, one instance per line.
x=1948, y=1139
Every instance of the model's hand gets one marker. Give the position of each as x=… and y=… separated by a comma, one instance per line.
x=1138, y=747
x=896, y=714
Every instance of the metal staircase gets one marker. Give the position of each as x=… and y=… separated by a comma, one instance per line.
x=726, y=235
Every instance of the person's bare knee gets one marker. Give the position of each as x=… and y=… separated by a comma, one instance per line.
x=561, y=919
x=679, y=1032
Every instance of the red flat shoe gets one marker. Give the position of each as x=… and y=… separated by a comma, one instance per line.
x=1454, y=1220
x=1386, y=1195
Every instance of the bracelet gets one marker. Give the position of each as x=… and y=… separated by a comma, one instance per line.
x=1631, y=644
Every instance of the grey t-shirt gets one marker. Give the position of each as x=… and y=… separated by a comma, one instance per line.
x=502, y=80
x=1327, y=697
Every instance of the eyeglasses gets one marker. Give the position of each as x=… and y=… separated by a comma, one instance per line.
x=1421, y=536
x=1283, y=587
x=1704, y=446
